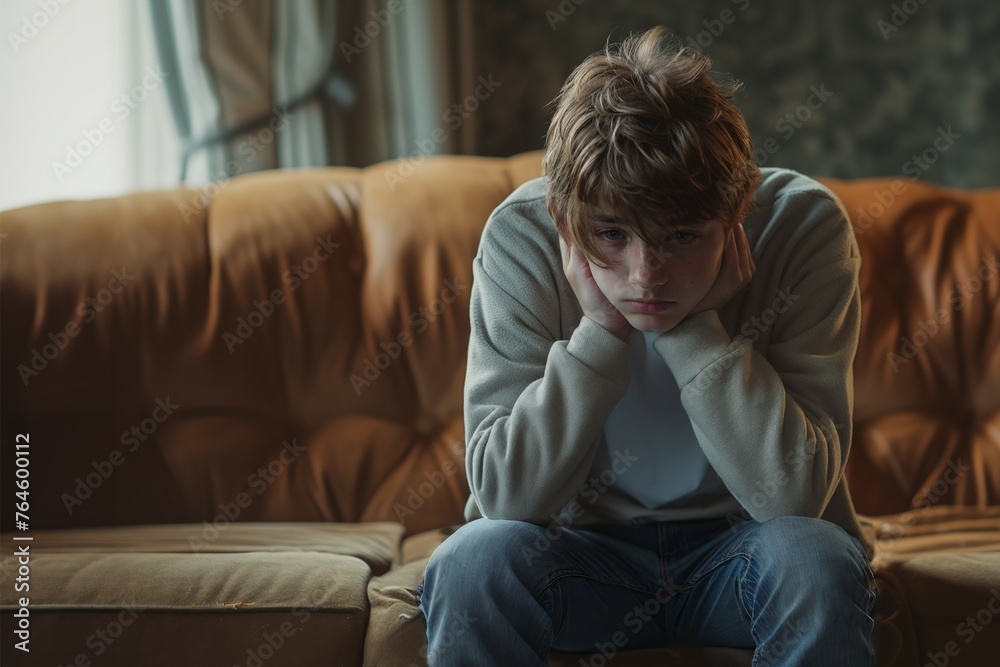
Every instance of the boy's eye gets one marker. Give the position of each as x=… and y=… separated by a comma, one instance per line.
x=684, y=238
x=615, y=234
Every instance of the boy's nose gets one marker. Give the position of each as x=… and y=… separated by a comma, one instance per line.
x=647, y=266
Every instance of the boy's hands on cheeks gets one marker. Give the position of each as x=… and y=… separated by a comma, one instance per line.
x=595, y=305
x=736, y=272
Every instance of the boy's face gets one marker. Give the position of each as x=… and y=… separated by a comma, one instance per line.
x=677, y=275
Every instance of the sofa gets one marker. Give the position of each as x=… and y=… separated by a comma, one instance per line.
x=237, y=410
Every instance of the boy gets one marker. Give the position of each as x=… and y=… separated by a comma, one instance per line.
x=659, y=393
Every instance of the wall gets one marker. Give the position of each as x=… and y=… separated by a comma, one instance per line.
x=890, y=89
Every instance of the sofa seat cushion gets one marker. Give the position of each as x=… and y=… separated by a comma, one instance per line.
x=422, y=545
x=375, y=543
x=397, y=635
x=199, y=609
x=953, y=600
x=254, y=594
x=943, y=529
x=936, y=566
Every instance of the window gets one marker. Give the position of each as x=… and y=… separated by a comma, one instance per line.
x=84, y=111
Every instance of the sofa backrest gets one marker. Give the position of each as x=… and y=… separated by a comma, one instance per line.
x=292, y=351
x=927, y=373
x=291, y=345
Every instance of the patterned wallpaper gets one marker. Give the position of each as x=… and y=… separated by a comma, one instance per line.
x=844, y=89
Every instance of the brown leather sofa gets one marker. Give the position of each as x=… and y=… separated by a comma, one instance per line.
x=243, y=411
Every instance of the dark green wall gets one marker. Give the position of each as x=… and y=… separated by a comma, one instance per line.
x=890, y=94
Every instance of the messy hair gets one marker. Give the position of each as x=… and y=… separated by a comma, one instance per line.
x=643, y=130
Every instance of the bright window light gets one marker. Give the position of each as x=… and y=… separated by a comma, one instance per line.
x=84, y=110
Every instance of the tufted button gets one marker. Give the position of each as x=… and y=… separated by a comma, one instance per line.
x=425, y=426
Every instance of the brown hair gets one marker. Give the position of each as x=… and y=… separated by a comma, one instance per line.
x=643, y=130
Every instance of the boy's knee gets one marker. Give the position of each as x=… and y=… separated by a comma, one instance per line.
x=817, y=546
x=481, y=551
x=796, y=534
x=815, y=562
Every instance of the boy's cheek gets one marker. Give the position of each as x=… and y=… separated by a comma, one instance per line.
x=604, y=281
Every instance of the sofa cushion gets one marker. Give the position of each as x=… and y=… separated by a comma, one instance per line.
x=200, y=609
x=943, y=529
x=934, y=566
x=228, y=594
x=954, y=601
x=396, y=630
x=375, y=543
x=422, y=545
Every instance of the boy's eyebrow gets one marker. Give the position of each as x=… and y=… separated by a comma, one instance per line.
x=601, y=216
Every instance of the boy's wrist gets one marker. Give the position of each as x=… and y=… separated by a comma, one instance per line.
x=694, y=344
x=602, y=350
x=624, y=335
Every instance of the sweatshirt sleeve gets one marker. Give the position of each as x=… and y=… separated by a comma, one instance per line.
x=777, y=429
x=535, y=405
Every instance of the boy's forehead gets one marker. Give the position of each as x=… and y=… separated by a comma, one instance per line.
x=602, y=215
x=602, y=212
x=607, y=215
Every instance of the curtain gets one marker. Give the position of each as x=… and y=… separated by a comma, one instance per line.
x=260, y=84
x=247, y=82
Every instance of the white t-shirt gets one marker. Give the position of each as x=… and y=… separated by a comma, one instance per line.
x=651, y=423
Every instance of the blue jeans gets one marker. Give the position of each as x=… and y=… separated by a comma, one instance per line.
x=798, y=591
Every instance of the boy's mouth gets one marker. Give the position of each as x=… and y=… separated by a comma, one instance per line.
x=649, y=305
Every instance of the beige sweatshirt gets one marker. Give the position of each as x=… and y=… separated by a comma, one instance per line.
x=767, y=380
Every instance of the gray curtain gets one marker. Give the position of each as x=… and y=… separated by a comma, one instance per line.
x=261, y=84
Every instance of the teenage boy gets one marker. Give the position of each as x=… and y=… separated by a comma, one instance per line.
x=659, y=393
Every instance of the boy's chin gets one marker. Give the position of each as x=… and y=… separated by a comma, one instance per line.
x=653, y=323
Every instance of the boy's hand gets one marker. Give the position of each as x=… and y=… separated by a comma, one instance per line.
x=736, y=272
x=595, y=305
